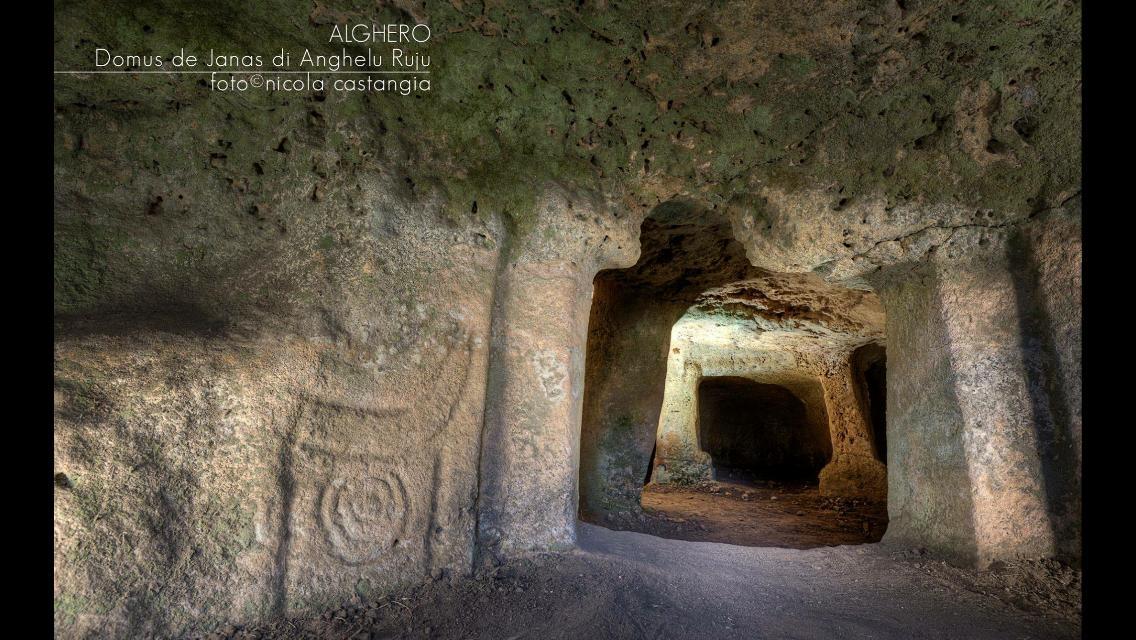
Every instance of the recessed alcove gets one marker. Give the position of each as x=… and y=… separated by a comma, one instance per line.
x=757, y=431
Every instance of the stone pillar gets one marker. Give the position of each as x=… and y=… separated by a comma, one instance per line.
x=929, y=496
x=1045, y=262
x=971, y=456
x=531, y=446
x=628, y=347
x=999, y=435
x=678, y=457
x=853, y=472
x=531, y=443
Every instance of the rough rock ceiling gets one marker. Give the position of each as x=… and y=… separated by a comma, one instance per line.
x=838, y=131
x=685, y=251
x=796, y=303
x=690, y=255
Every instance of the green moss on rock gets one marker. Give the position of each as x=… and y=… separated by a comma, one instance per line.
x=857, y=97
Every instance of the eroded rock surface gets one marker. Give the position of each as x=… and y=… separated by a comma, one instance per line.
x=314, y=346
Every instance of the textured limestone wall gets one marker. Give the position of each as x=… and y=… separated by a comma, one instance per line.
x=855, y=470
x=693, y=301
x=685, y=249
x=628, y=343
x=231, y=471
x=827, y=394
x=209, y=472
x=981, y=408
x=1045, y=263
x=678, y=456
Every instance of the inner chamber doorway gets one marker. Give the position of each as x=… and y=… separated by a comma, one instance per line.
x=756, y=431
x=704, y=412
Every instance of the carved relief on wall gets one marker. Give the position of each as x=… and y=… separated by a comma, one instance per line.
x=364, y=517
x=365, y=458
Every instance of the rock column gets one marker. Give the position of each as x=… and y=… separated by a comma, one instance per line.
x=854, y=471
x=984, y=464
x=678, y=457
x=531, y=443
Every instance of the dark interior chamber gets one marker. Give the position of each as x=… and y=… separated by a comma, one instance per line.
x=759, y=431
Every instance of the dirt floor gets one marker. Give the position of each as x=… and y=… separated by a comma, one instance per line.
x=621, y=584
x=753, y=514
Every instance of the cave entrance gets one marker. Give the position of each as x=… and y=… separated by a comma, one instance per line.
x=706, y=395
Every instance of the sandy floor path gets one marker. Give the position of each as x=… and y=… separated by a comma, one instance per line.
x=621, y=584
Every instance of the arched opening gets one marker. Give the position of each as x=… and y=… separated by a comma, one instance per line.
x=685, y=250
x=707, y=386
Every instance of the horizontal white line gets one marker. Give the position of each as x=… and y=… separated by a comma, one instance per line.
x=238, y=71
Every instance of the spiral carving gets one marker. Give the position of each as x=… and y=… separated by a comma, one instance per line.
x=364, y=518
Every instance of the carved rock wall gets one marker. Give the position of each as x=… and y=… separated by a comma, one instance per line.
x=817, y=370
x=315, y=346
x=983, y=406
x=432, y=413
x=208, y=474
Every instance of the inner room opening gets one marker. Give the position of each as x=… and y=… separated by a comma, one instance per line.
x=755, y=431
x=727, y=403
